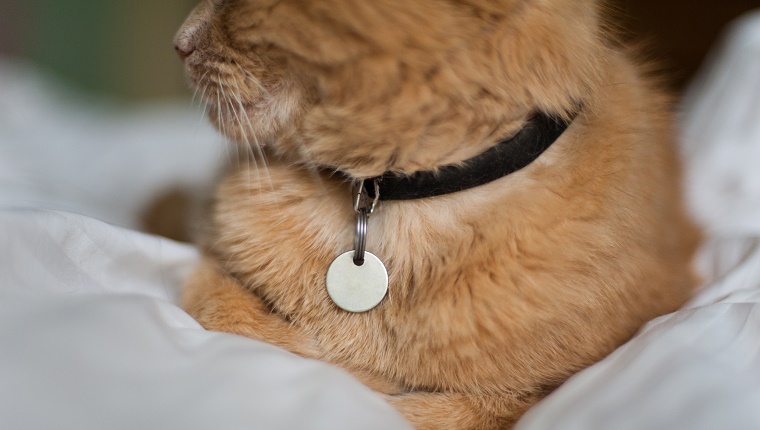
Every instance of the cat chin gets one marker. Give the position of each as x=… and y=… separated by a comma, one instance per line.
x=232, y=130
x=255, y=123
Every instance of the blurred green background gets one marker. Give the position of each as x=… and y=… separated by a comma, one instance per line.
x=123, y=48
x=118, y=48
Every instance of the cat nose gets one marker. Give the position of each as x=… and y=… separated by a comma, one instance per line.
x=194, y=30
x=184, y=48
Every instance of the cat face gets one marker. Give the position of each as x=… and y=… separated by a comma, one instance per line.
x=387, y=85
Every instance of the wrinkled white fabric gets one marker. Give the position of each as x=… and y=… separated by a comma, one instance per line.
x=91, y=336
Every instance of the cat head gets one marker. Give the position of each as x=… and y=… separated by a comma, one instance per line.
x=370, y=86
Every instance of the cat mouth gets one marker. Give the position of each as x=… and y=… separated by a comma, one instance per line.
x=226, y=89
x=236, y=111
x=244, y=107
x=227, y=97
x=237, y=118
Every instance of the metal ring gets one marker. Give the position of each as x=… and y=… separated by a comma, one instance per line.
x=358, y=195
x=362, y=199
x=360, y=236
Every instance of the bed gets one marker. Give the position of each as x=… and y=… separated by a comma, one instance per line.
x=91, y=336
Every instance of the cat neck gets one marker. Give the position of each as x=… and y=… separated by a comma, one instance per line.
x=504, y=158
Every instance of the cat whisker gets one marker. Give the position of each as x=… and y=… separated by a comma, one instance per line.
x=199, y=87
x=252, y=132
x=232, y=112
x=221, y=126
x=202, y=107
x=203, y=88
x=235, y=115
x=248, y=150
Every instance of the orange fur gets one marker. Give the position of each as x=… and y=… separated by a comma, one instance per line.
x=498, y=293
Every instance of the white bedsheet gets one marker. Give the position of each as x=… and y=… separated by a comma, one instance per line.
x=91, y=337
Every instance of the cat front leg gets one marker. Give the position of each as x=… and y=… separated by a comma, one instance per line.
x=440, y=410
x=220, y=303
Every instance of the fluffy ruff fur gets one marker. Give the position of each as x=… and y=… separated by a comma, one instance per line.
x=498, y=293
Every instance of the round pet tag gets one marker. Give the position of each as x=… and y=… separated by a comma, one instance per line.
x=357, y=288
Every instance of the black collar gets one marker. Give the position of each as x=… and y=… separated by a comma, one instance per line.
x=508, y=156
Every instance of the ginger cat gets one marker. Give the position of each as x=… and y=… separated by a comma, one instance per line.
x=496, y=293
